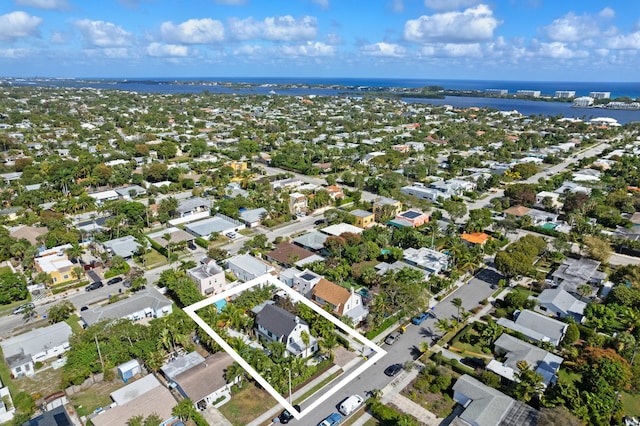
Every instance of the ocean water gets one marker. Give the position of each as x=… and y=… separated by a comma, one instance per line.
x=294, y=86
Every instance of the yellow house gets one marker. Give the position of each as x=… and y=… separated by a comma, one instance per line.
x=364, y=219
x=237, y=166
x=394, y=207
x=56, y=265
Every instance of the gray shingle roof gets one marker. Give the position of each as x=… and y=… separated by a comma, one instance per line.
x=149, y=298
x=488, y=406
x=536, y=327
x=277, y=320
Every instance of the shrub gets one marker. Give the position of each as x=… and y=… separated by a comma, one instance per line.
x=201, y=242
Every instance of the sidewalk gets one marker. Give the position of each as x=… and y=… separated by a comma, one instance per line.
x=274, y=411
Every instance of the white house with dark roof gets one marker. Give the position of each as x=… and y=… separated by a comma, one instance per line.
x=274, y=324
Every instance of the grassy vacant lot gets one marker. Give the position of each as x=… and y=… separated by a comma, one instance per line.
x=43, y=383
x=247, y=404
x=631, y=404
x=96, y=396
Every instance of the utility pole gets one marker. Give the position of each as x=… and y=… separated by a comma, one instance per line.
x=99, y=354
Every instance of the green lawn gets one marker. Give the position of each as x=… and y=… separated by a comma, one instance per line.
x=74, y=324
x=96, y=396
x=154, y=258
x=247, y=404
x=568, y=376
x=631, y=404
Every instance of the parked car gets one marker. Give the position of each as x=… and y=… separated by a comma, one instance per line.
x=320, y=222
x=231, y=235
x=418, y=319
x=84, y=308
x=20, y=309
x=350, y=404
x=286, y=416
x=393, y=369
x=94, y=286
x=115, y=280
x=332, y=420
x=391, y=339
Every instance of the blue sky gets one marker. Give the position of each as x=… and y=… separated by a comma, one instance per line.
x=554, y=40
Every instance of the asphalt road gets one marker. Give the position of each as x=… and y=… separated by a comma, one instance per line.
x=407, y=346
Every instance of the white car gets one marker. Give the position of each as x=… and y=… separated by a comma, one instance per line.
x=231, y=235
x=351, y=404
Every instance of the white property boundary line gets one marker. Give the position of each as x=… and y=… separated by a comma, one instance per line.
x=268, y=279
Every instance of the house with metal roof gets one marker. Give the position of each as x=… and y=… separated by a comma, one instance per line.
x=253, y=217
x=430, y=260
x=125, y=247
x=218, y=224
x=23, y=351
x=148, y=303
x=536, y=327
x=514, y=350
x=191, y=206
x=561, y=304
x=274, y=324
x=486, y=406
x=246, y=267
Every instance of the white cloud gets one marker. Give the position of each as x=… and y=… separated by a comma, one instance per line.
x=167, y=50
x=280, y=28
x=462, y=50
x=103, y=34
x=11, y=53
x=17, y=25
x=607, y=13
x=309, y=49
x=334, y=39
x=558, y=50
x=116, y=52
x=247, y=50
x=602, y=52
x=60, y=37
x=472, y=25
x=384, y=49
x=193, y=31
x=629, y=41
x=449, y=4
x=45, y=4
x=572, y=28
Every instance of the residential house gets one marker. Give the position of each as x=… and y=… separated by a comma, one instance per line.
x=486, y=406
x=538, y=217
x=536, y=327
x=23, y=351
x=514, y=350
x=131, y=191
x=246, y=267
x=192, y=206
x=288, y=183
x=219, y=224
x=147, y=303
x=383, y=267
x=411, y=218
x=124, y=247
x=288, y=254
x=342, y=302
x=561, y=304
x=313, y=241
x=298, y=203
x=208, y=276
x=104, y=196
x=573, y=188
x=573, y=273
x=364, y=219
x=29, y=233
x=274, y=324
x=56, y=265
x=304, y=282
x=517, y=211
x=7, y=408
x=171, y=235
x=387, y=207
x=370, y=156
x=335, y=192
x=552, y=196
x=57, y=416
x=430, y=260
x=205, y=382
x=587, y=175
x=253, y=217
x=341, y=228
x=475, y=238
x=142, y=397
x=418, y=190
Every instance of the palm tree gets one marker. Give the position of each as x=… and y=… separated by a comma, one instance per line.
x=234, y=373
x=584, y=290
x=77, y=272
x=305, y=340
x=75, y=251
x=186, y=265
x=457, y=302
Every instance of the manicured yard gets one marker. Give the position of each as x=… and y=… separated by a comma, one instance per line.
x=247, y=404
x=154, y=258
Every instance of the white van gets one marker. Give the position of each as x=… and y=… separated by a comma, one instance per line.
x=351, y=404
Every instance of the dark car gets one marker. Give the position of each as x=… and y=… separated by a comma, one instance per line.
x=84, y=308
x=393, y=369
x=115, y=280
x=320, y=222
x=94, y=286
x=286, y=416
x=417, y=320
